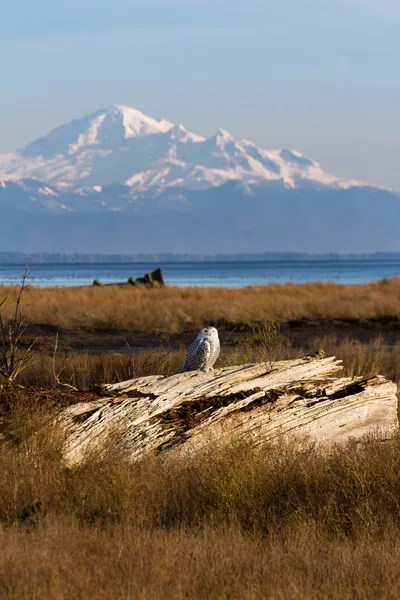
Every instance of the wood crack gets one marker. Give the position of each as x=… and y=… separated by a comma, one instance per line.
x=154, y=414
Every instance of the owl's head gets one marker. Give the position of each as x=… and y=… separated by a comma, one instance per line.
x=208, y=333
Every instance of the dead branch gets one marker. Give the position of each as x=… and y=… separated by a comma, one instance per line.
x=58, y=375
x=190, y=411
x=12, y=328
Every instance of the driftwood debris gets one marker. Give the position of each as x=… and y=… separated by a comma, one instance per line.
x=153, y=415
x=149, y=280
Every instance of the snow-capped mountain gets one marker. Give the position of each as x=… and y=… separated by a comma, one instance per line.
x=118, y=181
x=123, y=145
x=29, y=194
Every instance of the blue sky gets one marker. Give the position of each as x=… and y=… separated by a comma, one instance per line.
x=320, y=76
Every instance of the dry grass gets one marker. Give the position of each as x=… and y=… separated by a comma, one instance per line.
x=284, y=521
x=174, y=310
x=63, y=561
x=84, y=370
x=239, y=522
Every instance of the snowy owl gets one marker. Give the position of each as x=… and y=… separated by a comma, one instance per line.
x=203, y=352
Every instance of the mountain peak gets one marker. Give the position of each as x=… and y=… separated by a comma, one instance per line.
x=179, y=132
x=294, y=157
x=106, y=128
x=120, y=143
x=223, y=135
x=135, y=122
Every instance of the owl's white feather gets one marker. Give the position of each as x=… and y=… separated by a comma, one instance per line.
x=203, y=352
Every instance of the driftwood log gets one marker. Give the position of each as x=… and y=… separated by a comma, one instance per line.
x=153, y=415
x=149, y=280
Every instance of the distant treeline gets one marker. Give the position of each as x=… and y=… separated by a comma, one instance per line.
x=20, y=258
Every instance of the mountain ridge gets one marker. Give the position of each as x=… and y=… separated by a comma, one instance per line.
x=121, y=144
x=122, y=181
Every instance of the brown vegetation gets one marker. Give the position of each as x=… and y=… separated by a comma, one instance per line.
x=173, y=310
x=12, y=329
x=286, y=521
x=83, y=370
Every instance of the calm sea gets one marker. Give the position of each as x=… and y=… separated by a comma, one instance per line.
x=226, y=274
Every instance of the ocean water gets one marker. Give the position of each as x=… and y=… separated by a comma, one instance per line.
x=225, y=274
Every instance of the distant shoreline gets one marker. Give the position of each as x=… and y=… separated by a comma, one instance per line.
x=39, y=258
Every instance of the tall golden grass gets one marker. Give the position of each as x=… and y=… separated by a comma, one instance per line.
x=174, y=310
x=83, y=370
x=284, y=521
x=64, y=560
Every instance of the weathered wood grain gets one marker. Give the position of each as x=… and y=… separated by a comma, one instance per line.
x=185, y=411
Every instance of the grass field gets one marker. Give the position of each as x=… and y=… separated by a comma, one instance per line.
x=174, y=310
x=83, y=370
x=287, y=521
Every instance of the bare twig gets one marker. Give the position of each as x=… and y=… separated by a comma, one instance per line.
x=57, y=375
x=228, y=336
x=12, y=329
x=131, y=354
